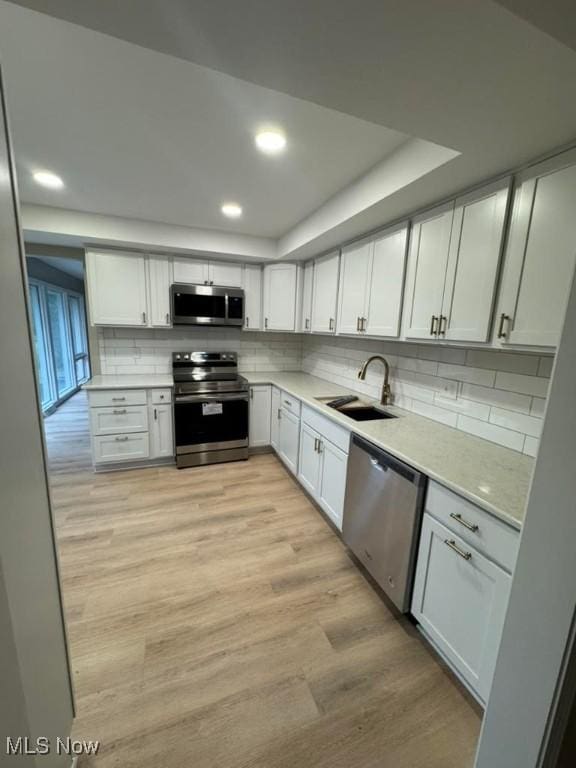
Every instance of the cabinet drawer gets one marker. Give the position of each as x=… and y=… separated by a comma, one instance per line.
x=333, y=432
x=290, y=403
x=117, y=448
x=102, y=397
x=161, y=396
x=490, y=535
x=119, y=420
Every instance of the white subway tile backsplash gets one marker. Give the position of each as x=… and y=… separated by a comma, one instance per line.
x=531, y=446
x=466, y=373
x=528, y=385
x=545, y=367
x=508, y=413
x=529, y=425
x=492, y=432
x=435, y=413
x=499, y=397
x=503, y=361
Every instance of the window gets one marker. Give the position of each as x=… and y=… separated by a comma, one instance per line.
x=61, y=347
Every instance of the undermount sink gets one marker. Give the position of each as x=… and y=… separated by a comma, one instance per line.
x=365, y=413
x=357, y=410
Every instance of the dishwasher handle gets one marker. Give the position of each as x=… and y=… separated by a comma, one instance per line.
x=383, y=462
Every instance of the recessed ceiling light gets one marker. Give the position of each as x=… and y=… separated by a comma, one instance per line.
x=232, y=210
x=271, y=142
x=48, y=179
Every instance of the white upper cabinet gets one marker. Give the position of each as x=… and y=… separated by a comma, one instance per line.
x=190, y=271
x=474, y=258
x=308, y=282
x=371, y=285
x=540, y=256
x=227, y=274
x=117, y=288
x=426, y=275
x=280, y=296
x=159, y=282
x=252, y=297
x=354, y=286
x=207, y=272
x=325, y=293
x=386, y=283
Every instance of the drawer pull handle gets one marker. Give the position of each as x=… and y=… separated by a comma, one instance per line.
x=118, y=398
x=452, y=544
x=119, y=411
x=121, y=439
x=501, y=332
x=459, y=519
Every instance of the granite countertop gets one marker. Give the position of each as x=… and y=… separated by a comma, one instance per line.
x=495, y=478
x=135, y=381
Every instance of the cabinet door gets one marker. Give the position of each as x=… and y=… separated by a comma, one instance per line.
x=460, y=603
x=190, y=271
x=475, y=248
x=160, y=280
x=541, y=255
x=427, y=263
x=260, y=408
x=280, y=286
x=325, y=293
x=275, y=420
x=310, y=460
x=117, y=288
x=253, y=297
x=333, y=481
x=308, y=282
x=161, y=433
x=354, y=286
x=386, y=283
x=289, y=439
x=223, y=273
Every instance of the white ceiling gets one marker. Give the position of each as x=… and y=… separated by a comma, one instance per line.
x=74, y=267
x=465, y=74
x=140, y=134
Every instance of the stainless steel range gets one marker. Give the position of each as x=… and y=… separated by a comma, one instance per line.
x=210, y=408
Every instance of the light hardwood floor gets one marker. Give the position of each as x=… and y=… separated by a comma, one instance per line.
x=217, y=621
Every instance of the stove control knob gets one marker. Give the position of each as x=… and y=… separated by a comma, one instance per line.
x=177, y=357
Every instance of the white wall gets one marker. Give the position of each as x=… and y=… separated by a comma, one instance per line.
x=498, y=396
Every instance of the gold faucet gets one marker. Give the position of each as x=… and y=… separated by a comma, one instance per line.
x=386, y=393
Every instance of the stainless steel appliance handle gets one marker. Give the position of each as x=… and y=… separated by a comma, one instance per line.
x=455, y=548
x=459, y=519
x=212, y=396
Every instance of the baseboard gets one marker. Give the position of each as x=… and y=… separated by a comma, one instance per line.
x=120, y=467
x=260, y=449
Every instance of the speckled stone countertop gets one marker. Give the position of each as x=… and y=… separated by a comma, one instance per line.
x=126, y=381
x=495, y=478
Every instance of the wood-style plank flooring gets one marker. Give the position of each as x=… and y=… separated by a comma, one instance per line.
x=217, y=621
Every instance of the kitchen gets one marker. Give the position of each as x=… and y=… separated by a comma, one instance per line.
x=325, y=442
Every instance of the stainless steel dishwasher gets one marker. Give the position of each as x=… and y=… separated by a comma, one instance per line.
x=382, y=517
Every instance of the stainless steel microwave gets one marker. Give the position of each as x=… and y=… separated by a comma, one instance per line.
x=206, y=305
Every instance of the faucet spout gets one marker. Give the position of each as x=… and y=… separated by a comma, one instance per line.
x=386, y=391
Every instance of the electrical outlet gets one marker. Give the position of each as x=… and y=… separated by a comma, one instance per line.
x=448, y=389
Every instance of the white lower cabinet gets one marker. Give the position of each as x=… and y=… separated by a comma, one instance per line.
x=161, y=432
x=322, y=465
x=460, y=597
x=131, y=426
x=333, y=481
x=289, y=438
x=260, y=412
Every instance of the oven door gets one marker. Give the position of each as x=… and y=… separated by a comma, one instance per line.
x=210, y=422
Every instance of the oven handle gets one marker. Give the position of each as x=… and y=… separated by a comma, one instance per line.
x=212, y=396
